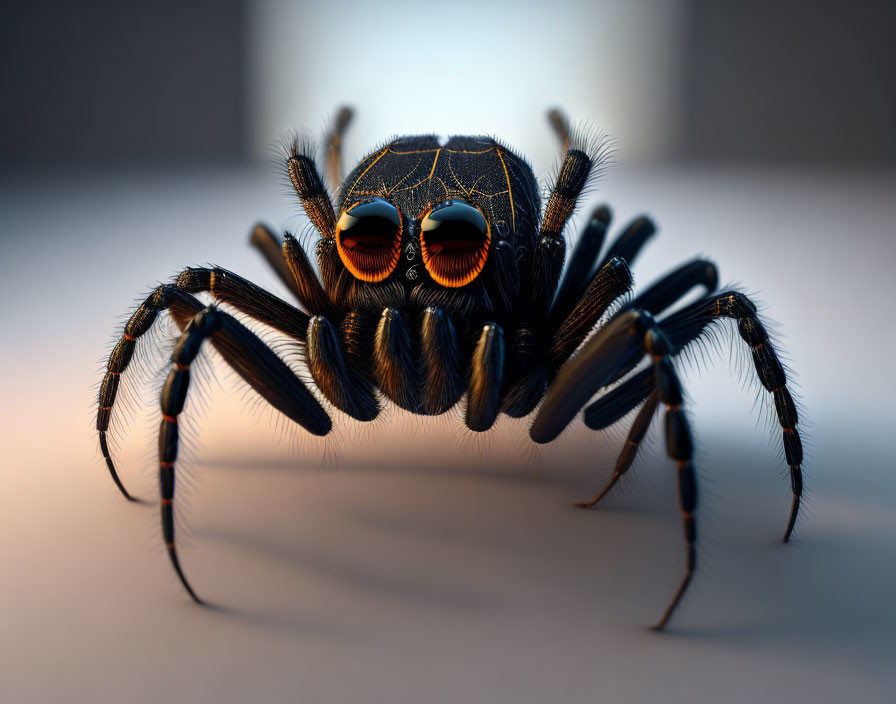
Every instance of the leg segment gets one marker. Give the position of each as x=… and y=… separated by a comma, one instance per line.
x=255, y=363
x=338, y=282
x=270, y=246
x=505, y=286
x=617, y=403
x=486, y=375
x=632, y=445
x=689, y=322
x=310, y=189
x=613, y=280
x=679, y=447
x=308, y=288
x=676, y=284
x=225, y=286
x=560, y=124
x=629, y=244
x=333, y=142
x=139, y=323
x=547, y=260
x=615, y=346
x=526, y=373
x=394, y=360
x=442, y=365
x=575, y=278
x=245, y=296
x=349, y=391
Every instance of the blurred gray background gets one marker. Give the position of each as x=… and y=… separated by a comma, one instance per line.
x=408, y=560
x=758, y=81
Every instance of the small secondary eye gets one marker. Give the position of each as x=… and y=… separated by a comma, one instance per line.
x=368, y=239
x=455, y=238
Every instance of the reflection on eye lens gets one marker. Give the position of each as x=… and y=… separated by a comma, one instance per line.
x=368, y=239
x=455, y=238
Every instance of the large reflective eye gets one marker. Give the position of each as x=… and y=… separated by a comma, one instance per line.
x=368, y=238
x=454, y=237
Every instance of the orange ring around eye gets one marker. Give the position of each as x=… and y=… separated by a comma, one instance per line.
x=456, y=263
x=368, y=239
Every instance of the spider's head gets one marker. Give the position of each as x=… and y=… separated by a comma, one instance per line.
x=424, y=224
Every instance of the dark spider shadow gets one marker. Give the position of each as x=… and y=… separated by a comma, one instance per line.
x=506, y=472
x=287, y=623
x=380, y=582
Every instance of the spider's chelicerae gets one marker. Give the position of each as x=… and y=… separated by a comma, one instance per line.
x=440, y=277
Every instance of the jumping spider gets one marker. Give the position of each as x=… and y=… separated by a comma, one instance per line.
x=440, y=275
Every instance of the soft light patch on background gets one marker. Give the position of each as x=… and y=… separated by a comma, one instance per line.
x=468, y=67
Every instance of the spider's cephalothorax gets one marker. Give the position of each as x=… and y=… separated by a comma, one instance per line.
x=447, y=210
x=440, y=277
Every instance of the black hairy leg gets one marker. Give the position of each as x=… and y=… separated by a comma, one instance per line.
x=486, y=375
x=257, y=364
x=550, y=249
x=692, y=320
x=226, y=287
x=395, y=361
x=337, y=377
x=636, y=434
x=672, y=287
x=679, y=446
x=622, y=342
x=309, y=290
x=618, y=402
x=162, y=298
x=333, y=147
x=310, y=188
x=441, y=361
x=611, y=281
x=270, y=245
x=631, y=241
x=246, y=297
x=560, y=124
x=581, y=267
x=536, y=367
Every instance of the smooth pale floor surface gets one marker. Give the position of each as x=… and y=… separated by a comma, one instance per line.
x=412, y=562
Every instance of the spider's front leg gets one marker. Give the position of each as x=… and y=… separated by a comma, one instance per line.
x=226, y=287
x=310, y=189
x=617, y=346
x=255, y=363
x=684, y=327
